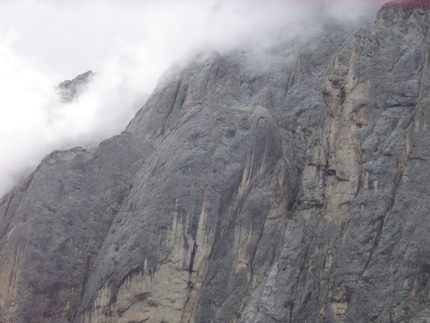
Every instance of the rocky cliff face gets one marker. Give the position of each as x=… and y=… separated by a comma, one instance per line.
x=288, y=188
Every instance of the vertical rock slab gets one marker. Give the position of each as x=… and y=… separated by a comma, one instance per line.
x=356, y=249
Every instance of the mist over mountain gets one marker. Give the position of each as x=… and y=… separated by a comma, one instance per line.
x=128, y=45
x=275, y=170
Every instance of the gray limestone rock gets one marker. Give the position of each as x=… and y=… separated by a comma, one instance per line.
x=54, y=223
x=362, y=212
x=285, y=187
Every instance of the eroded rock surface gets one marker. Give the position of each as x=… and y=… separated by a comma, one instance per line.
x=288, y=187
x=53, y=225
x=356, y=248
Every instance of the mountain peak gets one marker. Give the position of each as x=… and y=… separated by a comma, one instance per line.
x=70, y=89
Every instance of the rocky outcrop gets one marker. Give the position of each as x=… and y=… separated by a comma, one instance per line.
x=71, y=89
x=285, y=188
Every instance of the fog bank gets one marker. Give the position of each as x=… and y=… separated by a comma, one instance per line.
x=128, y=44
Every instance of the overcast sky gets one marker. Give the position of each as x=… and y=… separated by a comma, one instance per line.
x=128, y=44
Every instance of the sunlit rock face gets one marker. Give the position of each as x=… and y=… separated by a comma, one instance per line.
x=284, y=186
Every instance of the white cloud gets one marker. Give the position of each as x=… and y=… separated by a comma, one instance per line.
x=128, y=44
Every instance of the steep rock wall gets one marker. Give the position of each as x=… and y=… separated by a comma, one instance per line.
x=357, y=248
x=204, y=220
x=288, y=187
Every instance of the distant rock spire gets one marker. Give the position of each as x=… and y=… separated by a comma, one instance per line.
x=69, y=90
